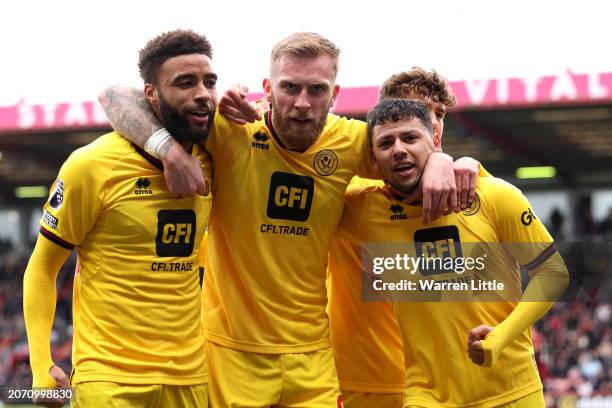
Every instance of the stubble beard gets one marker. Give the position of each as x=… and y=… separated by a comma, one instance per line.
x=294, y=138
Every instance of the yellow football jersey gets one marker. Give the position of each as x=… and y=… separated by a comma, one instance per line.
x=365, y=336
x=438, y=369
x=137, y=310
x=202, y=255
x=271, y=224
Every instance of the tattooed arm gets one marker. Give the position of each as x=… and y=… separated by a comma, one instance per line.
x=130, y=114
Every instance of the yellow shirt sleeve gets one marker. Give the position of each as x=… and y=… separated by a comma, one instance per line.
x=75, y=201
x=482, y=172
x=518, y=227
x=223, y=132
x=532, y=247
x=549, y=281
x=359, y=132
x=39, y=297
x=68, y=215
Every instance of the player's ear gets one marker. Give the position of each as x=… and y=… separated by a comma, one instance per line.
x=267, y=87
x=437, y=141
x=150, y=93
x=374, y=162
x=335, y=93
x=436, y=137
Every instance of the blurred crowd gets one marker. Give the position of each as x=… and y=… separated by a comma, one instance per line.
x=14, y=357
x=573, y=344
x=585, y=226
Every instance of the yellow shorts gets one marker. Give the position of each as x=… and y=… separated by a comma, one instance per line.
x=244, y=379
x=352, y=399
x=107, y=394
x=533, y=400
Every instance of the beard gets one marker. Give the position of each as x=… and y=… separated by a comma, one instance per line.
x=294, y=137
x=179, y=126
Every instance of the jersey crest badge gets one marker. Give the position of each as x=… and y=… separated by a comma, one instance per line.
x=326, y=162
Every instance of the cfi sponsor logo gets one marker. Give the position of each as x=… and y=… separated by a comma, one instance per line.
x=260, y=140
x=176, y=233
x=143, y=186
x=438, y=242
x=326, y=162
x=397, y=212
x=290, y=196
x=57, y=195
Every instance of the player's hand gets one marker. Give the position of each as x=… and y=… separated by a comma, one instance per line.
x=234, y=106
x=439, y=189
x=475, y=349
x=61, y=381
x=183, y=174
x=466, y=172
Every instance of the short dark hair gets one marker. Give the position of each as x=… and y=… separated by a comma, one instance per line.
x=168, y=45
x=421, y=82
x=395, y=109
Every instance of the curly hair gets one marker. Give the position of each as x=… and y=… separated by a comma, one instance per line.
x=421, y=82
x=168, y=45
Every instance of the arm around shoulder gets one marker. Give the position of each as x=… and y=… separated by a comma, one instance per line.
x=129, y=113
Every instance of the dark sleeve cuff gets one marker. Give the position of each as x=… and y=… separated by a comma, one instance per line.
x=56, y=240
x=540, y=259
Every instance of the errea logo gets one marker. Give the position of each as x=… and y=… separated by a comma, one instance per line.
x=397, y=212
x=260, y=140
x=143, y=185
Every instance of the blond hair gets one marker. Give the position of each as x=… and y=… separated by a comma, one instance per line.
x=305, y=44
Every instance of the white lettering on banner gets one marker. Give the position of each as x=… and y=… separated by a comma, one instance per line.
x=531, y=88
x=503, y=91
x=49, y=114
x=26, y=117
x=477, y=90
x=595, y=89
x=76, y=114
x=563, y=86
x=99, y=117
